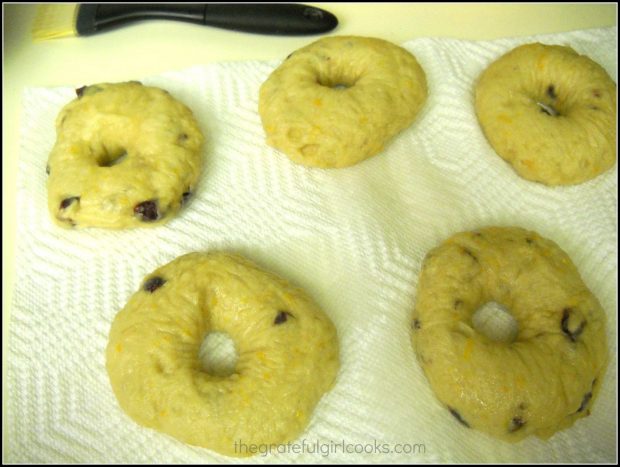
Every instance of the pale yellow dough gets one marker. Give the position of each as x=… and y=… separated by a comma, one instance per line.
x=550, y=113
x=545, y=379
x=126, y=155
x=287, y=354
x=340, y=100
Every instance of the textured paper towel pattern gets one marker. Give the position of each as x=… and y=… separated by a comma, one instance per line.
x=353, y=238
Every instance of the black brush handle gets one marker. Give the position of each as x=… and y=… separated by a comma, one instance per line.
x=284, y=19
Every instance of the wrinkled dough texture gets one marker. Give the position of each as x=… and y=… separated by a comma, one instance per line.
x=547, y=377
x=282, y=369
x=318, y=125
x=160, y=142
x=569, y=148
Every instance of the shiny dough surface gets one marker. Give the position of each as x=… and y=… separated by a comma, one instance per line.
x=126, y=155
x=550, y=113
x=340, y=100
x=543, y=380
x=287, y=351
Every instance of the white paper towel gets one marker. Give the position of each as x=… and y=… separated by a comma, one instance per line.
x=353, y=238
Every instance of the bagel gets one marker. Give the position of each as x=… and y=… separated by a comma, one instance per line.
x=340, y=100
x=544, y=378
x=287, y=354
x=550, y=113
x=126, y=155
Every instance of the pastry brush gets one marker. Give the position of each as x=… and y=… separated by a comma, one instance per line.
x=53, y=21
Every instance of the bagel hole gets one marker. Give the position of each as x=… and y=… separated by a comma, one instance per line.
x=494, y=321
x=548, y=109
x=336, y=83
x=110, y=158
x=218, y=354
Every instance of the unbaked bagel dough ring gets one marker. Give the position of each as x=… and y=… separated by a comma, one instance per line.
x=340, y=100
x=540, y=382
x=126, y=155
x=550, y=113
x=287, y=354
